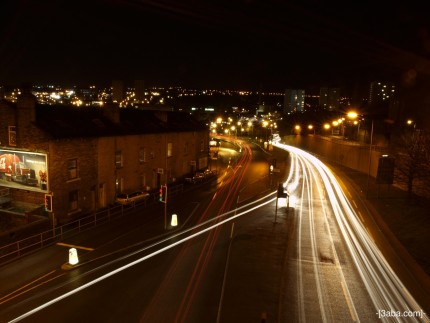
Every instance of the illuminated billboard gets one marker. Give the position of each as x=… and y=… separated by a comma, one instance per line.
x=24, y=170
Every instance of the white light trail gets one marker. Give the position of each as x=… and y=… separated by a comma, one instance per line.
x=383, y=285
x=262, y=201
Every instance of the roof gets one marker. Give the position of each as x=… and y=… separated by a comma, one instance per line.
x=69, y=122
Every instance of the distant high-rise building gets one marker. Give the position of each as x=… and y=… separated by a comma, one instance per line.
x=329, y=98
x=294, y=101
x=139, y=90
x=118, y=91
x=382, y=97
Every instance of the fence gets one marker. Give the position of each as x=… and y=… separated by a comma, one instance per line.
x=40, y=240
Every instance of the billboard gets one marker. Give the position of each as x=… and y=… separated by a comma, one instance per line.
x=24, y=170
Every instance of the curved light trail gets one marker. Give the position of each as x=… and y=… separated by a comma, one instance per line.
x=383, y=286
x=230, y=187
x=317, y=197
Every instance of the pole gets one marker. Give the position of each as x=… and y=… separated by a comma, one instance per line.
x=165, y=215
x=370, y=160
x=276, y=210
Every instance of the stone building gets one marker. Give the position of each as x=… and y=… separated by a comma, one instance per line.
x=85, y=156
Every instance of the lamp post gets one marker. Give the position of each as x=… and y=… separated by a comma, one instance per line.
x=370, y=160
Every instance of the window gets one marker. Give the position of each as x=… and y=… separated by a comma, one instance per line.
x=12, y=135
x=169, y=149
x=73, y=200
x=118, y=159
x=72, y=168
x=142, y=155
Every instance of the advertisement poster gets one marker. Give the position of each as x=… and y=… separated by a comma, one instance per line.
x=25, y=170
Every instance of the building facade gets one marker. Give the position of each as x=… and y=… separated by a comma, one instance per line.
x=329, y=98
x=294, y=101
x=84, y=157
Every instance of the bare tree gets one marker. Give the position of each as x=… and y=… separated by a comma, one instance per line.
x=412, y=153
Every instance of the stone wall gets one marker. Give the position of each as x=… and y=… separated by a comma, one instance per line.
x=346, y=153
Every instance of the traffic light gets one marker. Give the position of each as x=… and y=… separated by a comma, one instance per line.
x=48, y=202
x=281, y=191
x=163, y=194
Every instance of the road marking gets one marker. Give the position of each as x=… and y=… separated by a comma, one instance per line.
x=26, y=288
x=348, y=301
x=73, y=246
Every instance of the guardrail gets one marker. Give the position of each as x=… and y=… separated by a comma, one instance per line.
x=19, y=248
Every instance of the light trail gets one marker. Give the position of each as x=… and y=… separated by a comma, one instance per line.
x=384, y=288
x=261, y=202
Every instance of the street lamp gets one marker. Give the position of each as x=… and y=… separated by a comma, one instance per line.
x=370, y=160
x=353, y=116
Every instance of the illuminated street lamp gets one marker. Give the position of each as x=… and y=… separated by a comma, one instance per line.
x=233, y=128
x=352, y=115
x=252, y=128
x=370, y=159
x=411, y=123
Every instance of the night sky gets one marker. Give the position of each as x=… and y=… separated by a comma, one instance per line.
x=212, y=44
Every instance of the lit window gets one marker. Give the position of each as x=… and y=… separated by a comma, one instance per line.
x=169, y=149
x=118, y=159
x=72, y=168
x=142, y=155
x=12, y=135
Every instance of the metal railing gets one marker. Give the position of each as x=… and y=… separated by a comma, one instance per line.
x=19, y=248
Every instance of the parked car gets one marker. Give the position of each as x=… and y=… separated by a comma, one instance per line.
x=200, y=176
x=131, y=198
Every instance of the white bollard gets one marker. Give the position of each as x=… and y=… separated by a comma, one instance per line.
x=73, y=256
x=174, y=221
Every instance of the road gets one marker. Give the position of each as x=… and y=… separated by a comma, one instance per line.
x=231, y=259
x=335, y=266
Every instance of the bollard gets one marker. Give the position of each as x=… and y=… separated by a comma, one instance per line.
x=174, y=221
x=73, y=256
